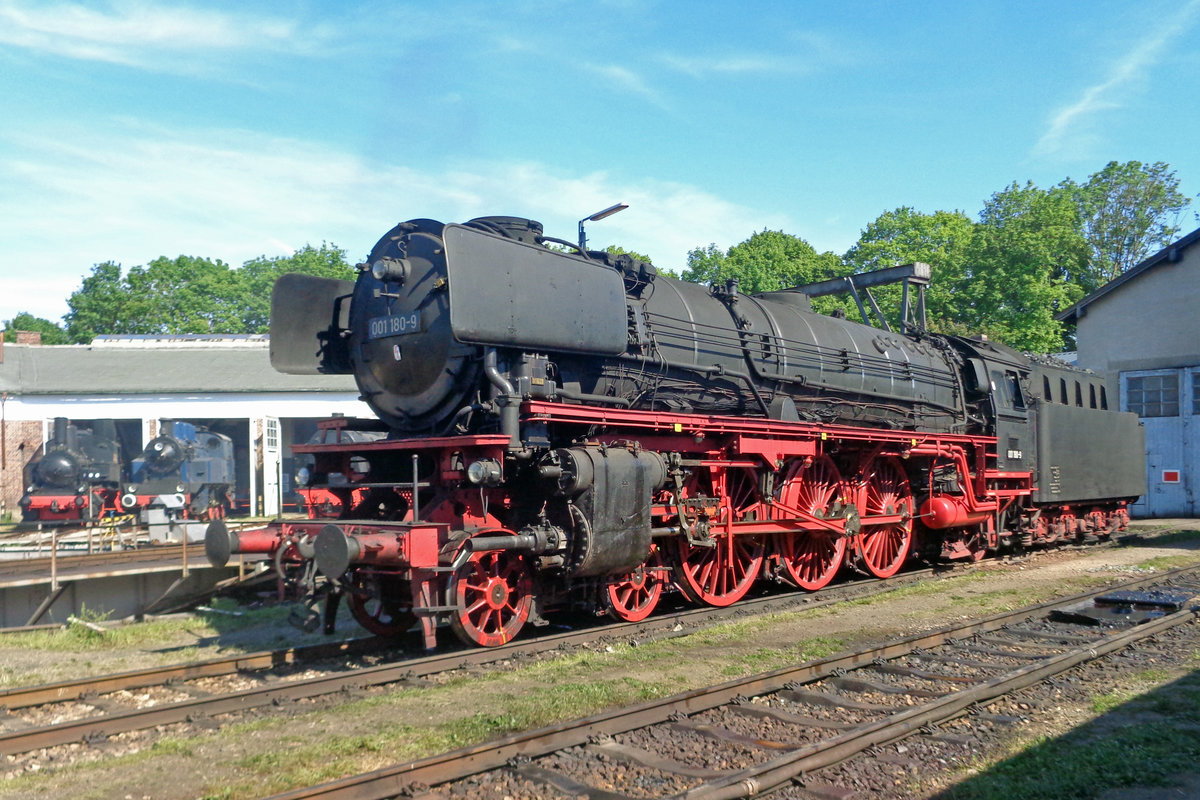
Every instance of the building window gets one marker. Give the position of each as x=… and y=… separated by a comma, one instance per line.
x=1196, y=392
x=1154, y=395
x=1046, y=391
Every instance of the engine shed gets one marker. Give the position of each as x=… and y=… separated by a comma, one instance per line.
x=222, y=383
x=1143, y=328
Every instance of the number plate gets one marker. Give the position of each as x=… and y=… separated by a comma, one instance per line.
x=394, y=325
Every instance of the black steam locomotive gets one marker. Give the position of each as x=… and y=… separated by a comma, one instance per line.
x=573, y=429
x=76, y=476
x=187, y=471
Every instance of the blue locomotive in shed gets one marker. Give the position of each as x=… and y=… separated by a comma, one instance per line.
x=185, y=469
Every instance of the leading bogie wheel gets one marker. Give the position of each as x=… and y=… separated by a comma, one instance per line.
x=381, y=602
x=633, y=597
x=492, y=595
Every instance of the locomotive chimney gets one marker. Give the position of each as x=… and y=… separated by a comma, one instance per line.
x=60, y=430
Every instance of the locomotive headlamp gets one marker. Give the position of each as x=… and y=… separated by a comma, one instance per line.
x=303, y=476
x=179, y=487
x=394, y=270
x=599, y=215
x=485, y=472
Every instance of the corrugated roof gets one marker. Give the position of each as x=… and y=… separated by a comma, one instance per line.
x=156, y=366
x=1168, y=255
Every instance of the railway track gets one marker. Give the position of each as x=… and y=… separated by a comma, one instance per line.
x=750, y=736
x=101, y=706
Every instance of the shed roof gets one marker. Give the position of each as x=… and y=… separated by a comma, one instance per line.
x=152, y=365
x=1170, y=254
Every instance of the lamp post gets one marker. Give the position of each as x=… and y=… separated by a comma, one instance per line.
x=599, y=215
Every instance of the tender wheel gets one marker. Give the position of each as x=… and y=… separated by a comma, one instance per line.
x=493, y=595
x=810, y=559
x=633, y=597
x=882, y=548
x=382, y=603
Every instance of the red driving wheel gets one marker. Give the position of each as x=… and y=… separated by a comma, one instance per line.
x=810, y=559
x=882, y=548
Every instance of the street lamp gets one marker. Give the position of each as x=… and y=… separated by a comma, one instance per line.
x=599, y=215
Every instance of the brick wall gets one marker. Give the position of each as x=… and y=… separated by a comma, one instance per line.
x=22, y=439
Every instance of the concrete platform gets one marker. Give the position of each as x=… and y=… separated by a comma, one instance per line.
x=122, y=583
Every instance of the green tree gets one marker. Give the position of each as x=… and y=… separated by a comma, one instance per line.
x=51, y=332
x=186, y=294
x=189, y=294
x=98, y=305
x=617, y=250
x=1023, y=256
x=1127, y=211
x=168, y=295
x=905, y=236
x=766, y=262
x=253, y=282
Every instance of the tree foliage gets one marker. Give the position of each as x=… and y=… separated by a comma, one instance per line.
x=906, y=236
x=189, y=295
x=1022, y=261
x=1126, y=212
x=256, y=278
x=766, y=262
x=1029, y=255
x=52, y=333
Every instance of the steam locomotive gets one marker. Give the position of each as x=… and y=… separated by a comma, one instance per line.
x=76, y=477
x=572, y=429
x=184, y=469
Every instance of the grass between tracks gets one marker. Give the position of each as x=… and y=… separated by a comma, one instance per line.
x=77, y=649
x=1145, y=733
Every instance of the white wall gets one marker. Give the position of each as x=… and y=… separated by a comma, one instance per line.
x=169, y=406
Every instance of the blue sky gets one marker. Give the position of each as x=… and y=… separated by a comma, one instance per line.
x=130, y=130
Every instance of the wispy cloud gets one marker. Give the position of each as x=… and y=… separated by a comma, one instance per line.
x=1069, y=127
x=623, y=79
x=147, y=36
x=133, y=193
x=803, y=53
x=700, y=66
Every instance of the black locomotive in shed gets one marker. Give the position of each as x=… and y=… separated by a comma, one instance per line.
x=76, y=476
x=574, y=429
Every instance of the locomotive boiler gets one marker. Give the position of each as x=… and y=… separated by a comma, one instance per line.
x=572, y=429
x=184, y=469
x=75, y=478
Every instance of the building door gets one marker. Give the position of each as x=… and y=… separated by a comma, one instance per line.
x=272, y=467
x=1168, y=403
